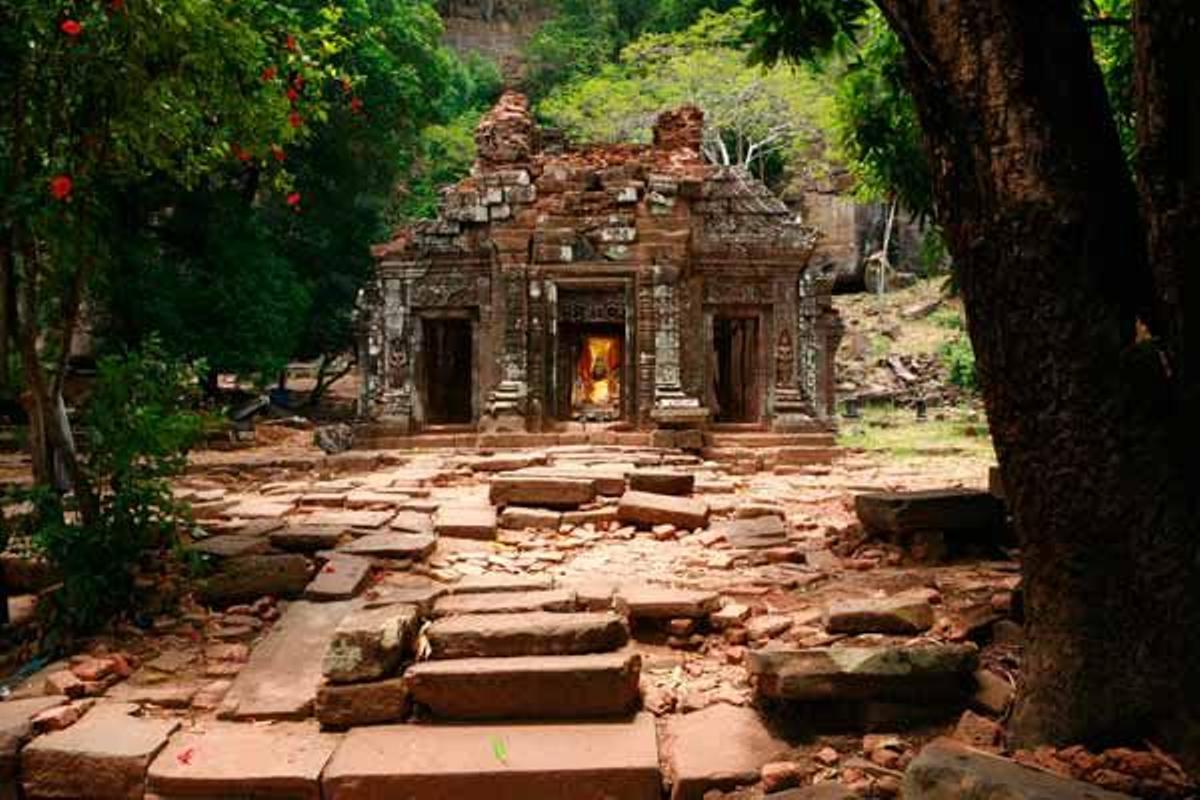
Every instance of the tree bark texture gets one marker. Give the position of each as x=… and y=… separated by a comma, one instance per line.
x=1042, y=218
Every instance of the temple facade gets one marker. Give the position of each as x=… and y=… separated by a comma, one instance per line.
x=624, y=285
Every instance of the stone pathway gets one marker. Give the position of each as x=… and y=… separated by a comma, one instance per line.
x=574, y=623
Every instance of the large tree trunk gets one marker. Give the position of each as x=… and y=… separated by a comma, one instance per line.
x=1042, y=219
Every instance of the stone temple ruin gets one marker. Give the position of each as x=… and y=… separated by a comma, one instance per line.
x=631, y=285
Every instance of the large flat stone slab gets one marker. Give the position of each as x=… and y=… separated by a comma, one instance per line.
x=466, y=522
x=281, y=678
x=538, y=519
x=647, y=601
x=104, y=756
x=505, y=602
x=895, y=615
x=921, y=674
x=646, y=510
x=500, y=582
x=961, y=511
x=528, y=687
x=340, y=578
x=721, y=747
x=15, y=730
x=230, y=545
x=238, y=760
x=947, y=770
x=594, y=761
x=412, y=522
x=362, y=519
x=541, y=492
x=539, y=633
x=404, y=546
x=307, y=538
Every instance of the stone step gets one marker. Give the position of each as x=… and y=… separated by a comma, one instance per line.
x=340, y=578
x=531, y=634
x=466, y=522
x=505, y=603
x=528, y=687
x=796, y=454
x=404, y=546
x=591, y=761
x=236, y=760
x=755, y=440
x=665, y=602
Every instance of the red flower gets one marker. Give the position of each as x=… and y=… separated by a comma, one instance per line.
x=298, y=82
x=295, y=120
x=268, y=74
x=61, y=187
x=117, y=5
x=278, y=153
x=71, y=28
x=356, y=105
x=293, y=199
x=241, y=153
x=290, y=43
x=293, y=95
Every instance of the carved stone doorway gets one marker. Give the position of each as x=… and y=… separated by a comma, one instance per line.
x=734, y=369
x=448, y=371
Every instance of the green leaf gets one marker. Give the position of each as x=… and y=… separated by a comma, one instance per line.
x=500, y=750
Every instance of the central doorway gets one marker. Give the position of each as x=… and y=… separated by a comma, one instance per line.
x=448, y=367
x=734, y=371
x=591, y=361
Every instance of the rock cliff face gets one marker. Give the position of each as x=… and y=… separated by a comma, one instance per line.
x=494, y=29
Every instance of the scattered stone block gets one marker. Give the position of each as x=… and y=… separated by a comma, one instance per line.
x=281, y=678
x=369, y=644
x=721, y=747
x=363, y=520
x=728, y=616
x=505, y=602
x=767, y=626
x=922, y=674
x=543, y=492
x=951, y=511
x=647, y=510
x=593, y=516
x=231, y=760
x=247, y=578
x=657, y=481
x=753, y=533
x=340, y=578
x=818, y=791
x=528, y=687
x=557, y=761
x=664, y=602
x=947, y=770
x=979, y=732
x=536, y=633
x=466, y=522
x=538, y=519
x=402, y=546
x=372, y=703
x=507, y=462
x=307, y=538
x=894, y=615
x=103, y=756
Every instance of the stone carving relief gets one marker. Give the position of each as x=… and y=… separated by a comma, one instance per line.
x=742, y=293
x=785, y=360
x=591, y=307
x=442, y=291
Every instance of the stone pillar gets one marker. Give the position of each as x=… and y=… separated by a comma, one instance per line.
x=791, y=410
x=507, y=404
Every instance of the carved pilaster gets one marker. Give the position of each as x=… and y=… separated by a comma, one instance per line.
x=672, y=406
x=396, y=390
x=507, y=404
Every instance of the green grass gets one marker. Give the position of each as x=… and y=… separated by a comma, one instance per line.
x=896, y=432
